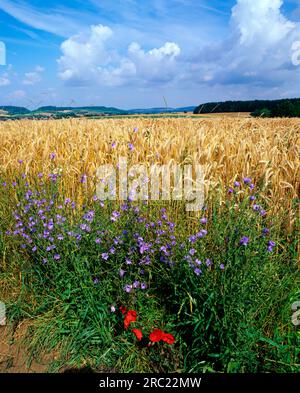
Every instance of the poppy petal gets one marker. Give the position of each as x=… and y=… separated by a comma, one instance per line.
x=138, y=333
x=156, y=335
x=168, y=338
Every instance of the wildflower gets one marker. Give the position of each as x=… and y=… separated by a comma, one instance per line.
x=265, y=231
x=168, y=338
x=222, y=267
x=263, y=213
x=143, y=285
x=128, y=288
x=105, y=256
x=97, y=241
x=244, y=241
x=197, y=271
x=271, y=245
x=89, y=216
x=83, y=178
x=123, y=309
x=144, y=247
x=247, y=180
x=85, y=227
x=115, y=215
x=198, y=262
x=208, y=262
x=135, y=129
x=129, y=318
x=113, y=145
x=201, y=233
x=96, y=280
x=230, y=190
x=122, y=273
x=53, y=177
x=130, y=146
x=203, y=220
x=192, y=251
x=136, y=284
x=156, y=335
x=49, y=248
x=112, y=308
x=252, y=198
x=20, y=162
x=192, y=239
x=52, y=156
x=138, y=333
x=236, y=184
x=56, y=257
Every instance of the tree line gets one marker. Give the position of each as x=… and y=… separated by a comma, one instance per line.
x=257, y=108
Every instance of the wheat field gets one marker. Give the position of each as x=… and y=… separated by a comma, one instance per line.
x=227, y=148
x=215, y=282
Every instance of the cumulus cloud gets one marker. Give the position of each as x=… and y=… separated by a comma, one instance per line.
x=256, y=54
x=84, y=55
x=88, y=58
x=4, y=79
x=158, y=65
x=31, y=78
x=260, y=19
x=258, y=50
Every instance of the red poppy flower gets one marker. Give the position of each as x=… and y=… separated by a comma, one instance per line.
x=138, y=333
x=123, y=309
x=156, y=335
x=130, y=317
x=168, y=338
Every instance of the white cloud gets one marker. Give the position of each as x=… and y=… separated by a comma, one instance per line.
x=84, y=55
x=4, y=80
x=31, y=78
x=54, y=22
x=260, y=20
x=257, y=52
x=88, y=58
x=17, y=94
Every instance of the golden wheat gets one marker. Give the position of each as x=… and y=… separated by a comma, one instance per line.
x=266, y=150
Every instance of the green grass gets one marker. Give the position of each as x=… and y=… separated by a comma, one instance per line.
x=236, y=319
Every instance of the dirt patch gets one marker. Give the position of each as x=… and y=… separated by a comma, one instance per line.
x=13, y=356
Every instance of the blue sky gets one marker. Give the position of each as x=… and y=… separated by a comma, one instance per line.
x=133, y=53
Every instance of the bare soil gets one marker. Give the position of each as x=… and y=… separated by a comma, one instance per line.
x=13, y=357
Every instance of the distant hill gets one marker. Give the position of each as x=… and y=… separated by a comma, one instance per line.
x=60, y=112
x=160, y=110
x=84, y=109
x=14, y=110
x=271, y=108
